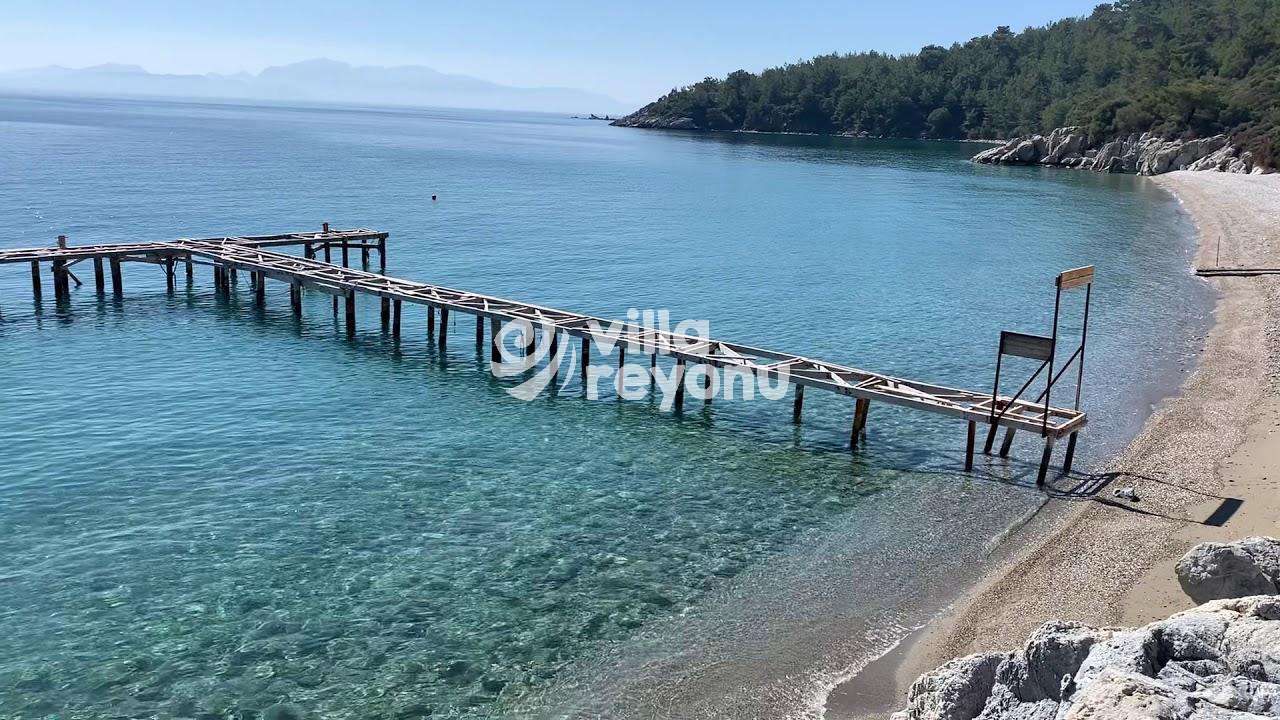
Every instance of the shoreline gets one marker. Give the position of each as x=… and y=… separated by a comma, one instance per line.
x=1100, y=561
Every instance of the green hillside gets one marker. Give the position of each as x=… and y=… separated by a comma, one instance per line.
x=1177, y=67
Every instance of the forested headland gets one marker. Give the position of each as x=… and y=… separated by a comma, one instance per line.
x=1178, y=68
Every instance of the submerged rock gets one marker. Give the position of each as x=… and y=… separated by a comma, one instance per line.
x=1145, y=154
x=1219, y=661
x=1211, y=570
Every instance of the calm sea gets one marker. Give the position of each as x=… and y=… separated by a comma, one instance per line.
x=217, y=512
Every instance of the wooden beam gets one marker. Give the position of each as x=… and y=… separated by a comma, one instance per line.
x=1044, y=460
x=1007, y=443
x=1071, y=453
x=351, y=312
x=968, y=450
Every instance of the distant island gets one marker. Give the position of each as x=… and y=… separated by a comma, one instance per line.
x=318, y=80
x=1176, y=69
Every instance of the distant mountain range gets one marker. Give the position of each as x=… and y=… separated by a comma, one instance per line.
x=318, y=80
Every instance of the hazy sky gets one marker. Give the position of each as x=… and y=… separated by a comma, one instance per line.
x=632, y=51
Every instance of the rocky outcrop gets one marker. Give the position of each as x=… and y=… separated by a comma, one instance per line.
x=1220, y=661
x=1145, y=154
x=1210, y=571
x=651, y=118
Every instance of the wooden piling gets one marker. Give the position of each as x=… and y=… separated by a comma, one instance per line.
x=191, y=269
x=1008, y=442
x=431, y=321
x=99, y=280
x=706, y=383
x=351, y=312
x=395, y=320
x=326, y=259
x=859, y=427
x=1044, y=460
x=309, y=251
x=382, y=255
x=260, y=291
x=36, y=290
x=295, y=298
x=444, y=327
x=968, y=451
x=622, y=360
x=386, y=313
x=61, y=288
x=117, y=281
x=530, y=342
x=1071, y=453
x=495, y=352
x=344, y=254
x=480, y=335
x=797, y=405
x=232, y=277
x=169, y=275
x=586, y=360
x=364, y=256
x=679, y=371
x=552, y=359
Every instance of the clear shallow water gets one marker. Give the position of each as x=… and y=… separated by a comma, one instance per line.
x=209, y=510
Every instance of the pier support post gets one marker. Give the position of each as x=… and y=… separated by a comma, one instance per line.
x=431, y=321
x=344, y=254
x=99, y=280
x=382, y=255
x=1071, y=453
x=395, y=319
x=678, y=405
x=232, y=277
x=529, y=341
x=36, y=290
x=364, y=255
x=653, y=369
x=1044, y=460
x=622, y=360
x=260, y=290
x=706, y=384
x=1007, y=443
x=295, y=298
x=555, y=363
x=480, y=335
x=968, y=450
x=386, y=313
x=991, y=437
x=859, y=427
x=444, y=327
x=351, y=312
x=191, y=269
x=309, y=251
x=61, y=287
x=586, y=359
x=117, y=281
x=327, y=260
x=797, y=405
x=169, y=281
x=495, y=352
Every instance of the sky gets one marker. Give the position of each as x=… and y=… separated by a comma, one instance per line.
x=631, y=51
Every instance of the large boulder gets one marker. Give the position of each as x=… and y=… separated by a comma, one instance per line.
x=1146, y=154
x=1211, y=570
x=1220, y=661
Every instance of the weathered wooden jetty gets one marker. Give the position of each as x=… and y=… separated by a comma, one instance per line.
x=317, y=269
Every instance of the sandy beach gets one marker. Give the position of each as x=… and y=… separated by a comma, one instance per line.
x=1206, y=466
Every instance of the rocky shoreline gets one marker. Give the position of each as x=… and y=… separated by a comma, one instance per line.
x=1218, y=661
x=1146, y=154
x=1066, y=147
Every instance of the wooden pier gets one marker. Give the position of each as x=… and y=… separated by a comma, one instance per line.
x=253, y=255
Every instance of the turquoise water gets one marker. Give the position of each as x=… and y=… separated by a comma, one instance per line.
x=218, y=512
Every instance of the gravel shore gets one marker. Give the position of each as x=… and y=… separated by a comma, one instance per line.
x=1103, y=561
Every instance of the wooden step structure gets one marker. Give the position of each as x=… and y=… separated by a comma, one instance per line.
x=255, y=255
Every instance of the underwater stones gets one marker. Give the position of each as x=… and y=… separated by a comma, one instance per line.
x=283, y=711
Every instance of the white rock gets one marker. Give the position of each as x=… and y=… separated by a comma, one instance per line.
x=1210, y=571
